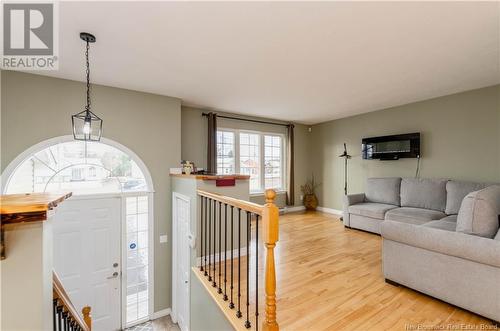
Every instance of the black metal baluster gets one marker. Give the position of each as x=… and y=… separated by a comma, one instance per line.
x=65, y=320
x=201, y=233
x=231, y=303
x=225, y=252
x=205, y=234
x=59, y=317
x=247, y=322
x=238, y=313
x=209, y=239
x=256, y=272
x=214, y=283
x=54, y=313
x=219, y=290
x=64, y=315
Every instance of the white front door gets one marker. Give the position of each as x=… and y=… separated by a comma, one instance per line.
x=87, y=256
x=181, y=263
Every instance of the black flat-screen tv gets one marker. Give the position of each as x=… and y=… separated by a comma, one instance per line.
x=391, y=147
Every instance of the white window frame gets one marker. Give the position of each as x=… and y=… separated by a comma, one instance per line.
x=236, y=150
x=261, y=134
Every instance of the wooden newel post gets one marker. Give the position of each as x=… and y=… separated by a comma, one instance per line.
x=270, y=229
x=86, y=316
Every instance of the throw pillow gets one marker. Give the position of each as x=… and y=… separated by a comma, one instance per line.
x=478, y=214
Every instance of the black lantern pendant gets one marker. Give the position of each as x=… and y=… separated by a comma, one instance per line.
x=87, y=125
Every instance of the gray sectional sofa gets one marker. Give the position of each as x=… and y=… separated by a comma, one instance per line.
x=440, y=237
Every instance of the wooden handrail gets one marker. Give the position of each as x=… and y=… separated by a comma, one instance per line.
x=269, y=213
x=244, y=205
x=60, y=294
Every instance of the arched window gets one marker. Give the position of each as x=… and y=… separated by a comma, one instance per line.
x=80, y=167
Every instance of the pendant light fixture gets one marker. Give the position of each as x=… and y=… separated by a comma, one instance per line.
x=87, y=125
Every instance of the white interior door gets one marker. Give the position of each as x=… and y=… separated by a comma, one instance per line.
x=87, y=257
x=181, y=250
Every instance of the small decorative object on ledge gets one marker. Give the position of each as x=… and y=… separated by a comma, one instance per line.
x=188, y=167
x=309, y=190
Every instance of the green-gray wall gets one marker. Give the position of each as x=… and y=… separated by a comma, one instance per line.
x=460, y=140
x=36, y=108
x=194, y=146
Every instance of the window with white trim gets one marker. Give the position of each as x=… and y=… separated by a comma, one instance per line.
x=80, y=167
x=250, y=158
x=225, y=152
x=258, y=154
x=273, y=167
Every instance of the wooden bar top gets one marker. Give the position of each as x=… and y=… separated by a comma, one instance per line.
x=30, y=202
x=211, y=177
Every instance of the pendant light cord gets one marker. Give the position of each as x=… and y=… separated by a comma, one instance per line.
x=88, y=75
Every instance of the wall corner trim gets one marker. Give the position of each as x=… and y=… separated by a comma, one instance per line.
x=330, y=211
x=292, y=209
x=161, y=313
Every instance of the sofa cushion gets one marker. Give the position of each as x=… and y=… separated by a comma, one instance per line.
x=370, y=209
x=423, y=193
x=479, y=212
x=413, y=215
x=451, y=243
x=450, y=218
x=383, y=190
x=443, y=225
x=456, y=192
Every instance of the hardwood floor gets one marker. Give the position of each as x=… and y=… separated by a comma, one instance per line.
x=330, y=278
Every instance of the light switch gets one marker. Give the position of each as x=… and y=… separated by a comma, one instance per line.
x=163, y=239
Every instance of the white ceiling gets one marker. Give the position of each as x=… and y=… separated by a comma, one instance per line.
x=296, y=61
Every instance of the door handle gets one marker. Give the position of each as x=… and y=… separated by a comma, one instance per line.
x=115, y=274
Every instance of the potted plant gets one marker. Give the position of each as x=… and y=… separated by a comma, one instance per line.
x=310, y=200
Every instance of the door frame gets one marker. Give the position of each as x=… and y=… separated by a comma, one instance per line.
x=175, y=253
x=20, y=158
x=123, y=250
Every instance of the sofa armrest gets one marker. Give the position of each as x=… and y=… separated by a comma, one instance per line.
x=352, y=199
x=461, y=245
x=349, y=200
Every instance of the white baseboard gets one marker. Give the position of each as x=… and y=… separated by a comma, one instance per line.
x=330, y=211
x=293, y=209
x=216, y=258
x=161, y=313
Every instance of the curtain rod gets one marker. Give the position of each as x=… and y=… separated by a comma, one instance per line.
x=248, y=120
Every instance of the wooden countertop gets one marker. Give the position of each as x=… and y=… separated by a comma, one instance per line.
x=31, y=203
x=212, y=177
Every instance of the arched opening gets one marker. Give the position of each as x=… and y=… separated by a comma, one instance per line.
x=108, y=180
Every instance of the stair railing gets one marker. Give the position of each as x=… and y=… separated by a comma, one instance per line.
x=226, y=229
x=65, y=315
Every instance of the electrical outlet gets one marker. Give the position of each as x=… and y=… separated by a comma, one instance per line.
x=163, y=239
x=301, y=197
